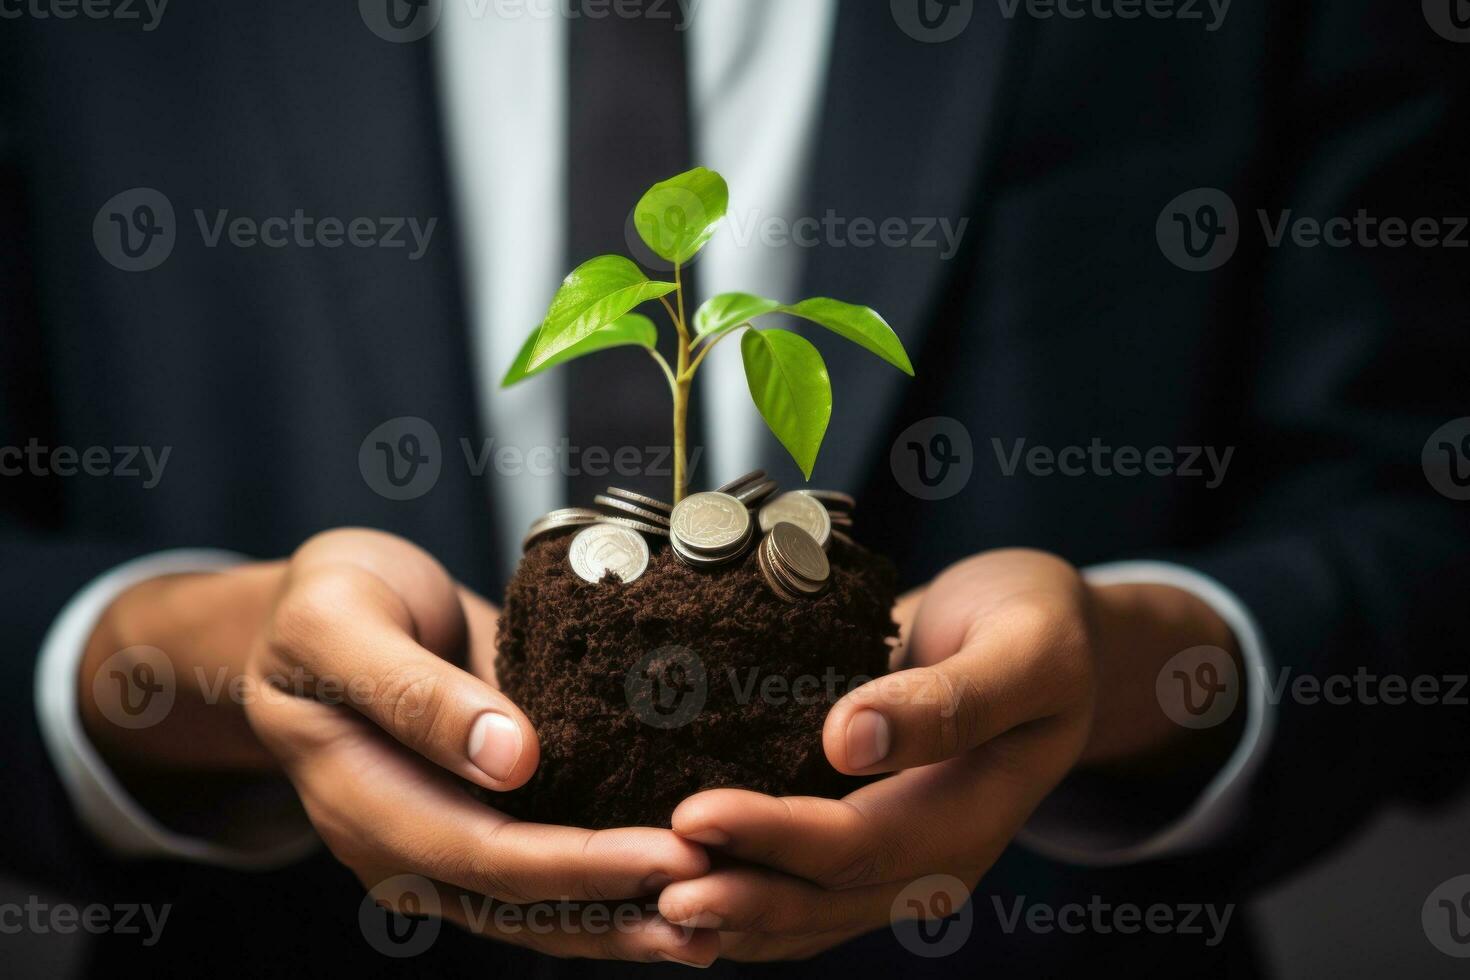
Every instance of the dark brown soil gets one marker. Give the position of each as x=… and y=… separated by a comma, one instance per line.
x=613, y=675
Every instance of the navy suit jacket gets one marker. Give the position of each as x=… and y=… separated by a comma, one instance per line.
x=1061, y=320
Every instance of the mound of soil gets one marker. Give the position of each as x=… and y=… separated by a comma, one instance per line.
x=682, y=680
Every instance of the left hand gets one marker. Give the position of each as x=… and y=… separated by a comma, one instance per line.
x=997, y=705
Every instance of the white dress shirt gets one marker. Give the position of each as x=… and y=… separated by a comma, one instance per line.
x=757, y=74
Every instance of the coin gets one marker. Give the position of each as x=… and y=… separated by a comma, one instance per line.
x=604, y=548
x=792, y=563
x=752, y=494
x=694, y=558
x=773, y=581
x=642, y=527
x=566, y=517
x=833, y=498
x=710, y=522
x=845, y=539
x=754, y=476
x=628, y=507
x=796, y=551
x=651, y=503
x=800, y=509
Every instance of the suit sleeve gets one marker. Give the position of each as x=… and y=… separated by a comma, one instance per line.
x=41, y=565
x=1349, y=547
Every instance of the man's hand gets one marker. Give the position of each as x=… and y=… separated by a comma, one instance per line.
x=349, y=659
x=1017, y=672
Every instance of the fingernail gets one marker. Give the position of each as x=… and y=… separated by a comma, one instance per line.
x=712, y=836
x=656, y=882
x=495, y=744
x=703, y=919
x=868, y=739
x=671, y=958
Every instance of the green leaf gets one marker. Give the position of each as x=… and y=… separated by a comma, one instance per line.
x=635, y=329
x=859, y=324
x=729, y=310
x=790, y=387
x=596, y=293
x=677, y=216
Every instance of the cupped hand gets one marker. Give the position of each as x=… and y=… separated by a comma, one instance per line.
x=993, y=711
x=363, y=673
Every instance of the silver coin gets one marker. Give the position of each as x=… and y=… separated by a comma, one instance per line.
x=604, y=548
x=833, y=499
x=798, y=552
x=567, y=517
x=710, y=522
x=651, y=503
x=752, y=495
x=754, y=476
x=773, y=579
x=694, y=558
x=800, y=509
x=642, y=527
x=627, y=507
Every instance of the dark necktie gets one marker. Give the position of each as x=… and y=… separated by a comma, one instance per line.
x=628, y=127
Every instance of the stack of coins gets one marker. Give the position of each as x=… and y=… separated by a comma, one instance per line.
x=557, y=520
x=793, y=563
x=710, y=529
x=635, y=511
x=839, y=507
x=604, y=548
x=801, y=509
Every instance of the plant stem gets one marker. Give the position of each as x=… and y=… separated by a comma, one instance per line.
x=683, y=377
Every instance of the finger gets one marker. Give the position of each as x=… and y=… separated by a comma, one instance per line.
x=631, y=931
x=1004, y=674
x=872, y=836
x=342, y=635
x=377, y=809
x=750, y=899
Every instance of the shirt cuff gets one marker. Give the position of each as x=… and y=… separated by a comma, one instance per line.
x=1211, y=815
x=102, y=804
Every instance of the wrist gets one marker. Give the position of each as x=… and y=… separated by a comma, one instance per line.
x=1139, y=628
x=204, y=625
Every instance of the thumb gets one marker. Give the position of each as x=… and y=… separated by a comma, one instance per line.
x=928, y=714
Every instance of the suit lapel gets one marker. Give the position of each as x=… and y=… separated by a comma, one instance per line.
x=886, y=153
x=366, y=142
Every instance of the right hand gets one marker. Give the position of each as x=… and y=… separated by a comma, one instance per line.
x=357, y=695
